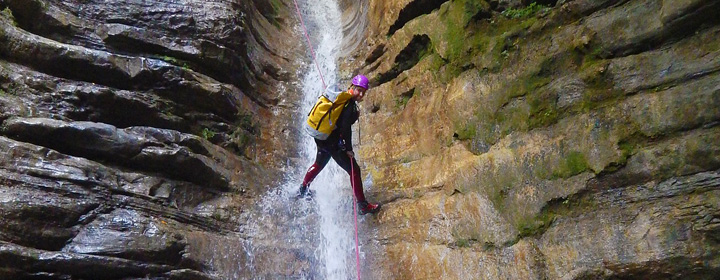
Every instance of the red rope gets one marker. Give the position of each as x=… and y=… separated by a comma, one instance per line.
x=297, y=8
x=357, y=250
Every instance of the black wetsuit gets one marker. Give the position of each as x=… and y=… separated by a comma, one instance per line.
x=336, y=146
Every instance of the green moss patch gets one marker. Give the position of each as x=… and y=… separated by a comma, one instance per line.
x=543, y=110
x=11, y=88
x=245, y=122
x=476, y=39
x=463, y=243
x=271, y=10
x=245, y=133
x=574, y=163
x=465, y=131
x=275, y=18
x=8, y=14
x=461, y=30
x=207, y=134
x=535, y=225
x=554, y=209
x=177, y=62
x=533, y=109
x=404, y=98
x=627, y=149
x=527, y=11
x=498, y=196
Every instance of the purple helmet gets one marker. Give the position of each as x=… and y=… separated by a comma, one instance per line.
x=361, y=81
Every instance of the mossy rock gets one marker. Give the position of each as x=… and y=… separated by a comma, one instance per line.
x=574, y=163
x=8, y=14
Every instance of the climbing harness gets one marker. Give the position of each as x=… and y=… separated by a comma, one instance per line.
x=312, y=51
x=357, y=250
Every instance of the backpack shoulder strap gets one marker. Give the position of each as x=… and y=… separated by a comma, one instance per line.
x=332, y=93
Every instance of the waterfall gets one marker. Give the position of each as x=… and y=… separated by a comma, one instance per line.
x=333, y=193
x=333, y=196
x=306, y=239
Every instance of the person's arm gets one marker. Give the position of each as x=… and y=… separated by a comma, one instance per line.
x=347, y=118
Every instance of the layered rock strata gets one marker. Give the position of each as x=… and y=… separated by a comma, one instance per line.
x=136, y=135
x=571, y=139
x=558, y=140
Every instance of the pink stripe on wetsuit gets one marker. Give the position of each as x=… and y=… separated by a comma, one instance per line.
x=342, y=159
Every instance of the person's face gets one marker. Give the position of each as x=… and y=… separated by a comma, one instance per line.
x=358, y=93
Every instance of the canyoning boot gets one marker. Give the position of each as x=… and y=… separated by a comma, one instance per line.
x=366, y=207
x=305, y=192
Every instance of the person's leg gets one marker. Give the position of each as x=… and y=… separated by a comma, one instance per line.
x=352, y=168
x=344, y=161
x=321, y=159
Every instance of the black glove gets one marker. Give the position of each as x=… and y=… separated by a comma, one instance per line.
x=341, y=145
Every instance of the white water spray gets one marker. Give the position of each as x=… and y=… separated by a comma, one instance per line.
x=334, y=196
x=318, y=233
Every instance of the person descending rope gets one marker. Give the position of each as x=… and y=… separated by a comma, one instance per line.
x=330, y=122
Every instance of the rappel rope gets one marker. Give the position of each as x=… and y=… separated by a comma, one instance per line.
x=312, y=51
x=357, y=250
x=352, y=166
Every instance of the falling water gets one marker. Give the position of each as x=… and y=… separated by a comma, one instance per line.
x=304, y=239
x=333, y=197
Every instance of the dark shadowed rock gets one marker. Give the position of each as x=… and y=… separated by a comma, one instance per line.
x=138, y=127
x=179, y=156
x=60, y=265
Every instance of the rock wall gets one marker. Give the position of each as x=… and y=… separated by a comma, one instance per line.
x=136, y=135
x=571, y=139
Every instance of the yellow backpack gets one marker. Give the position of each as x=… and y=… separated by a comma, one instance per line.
x=322, y=118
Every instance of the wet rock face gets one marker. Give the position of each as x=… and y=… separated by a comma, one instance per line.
x=188, y=66
x=569, y=140
x=135, y=134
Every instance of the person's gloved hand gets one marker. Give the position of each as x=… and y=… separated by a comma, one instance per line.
x=341, y=145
